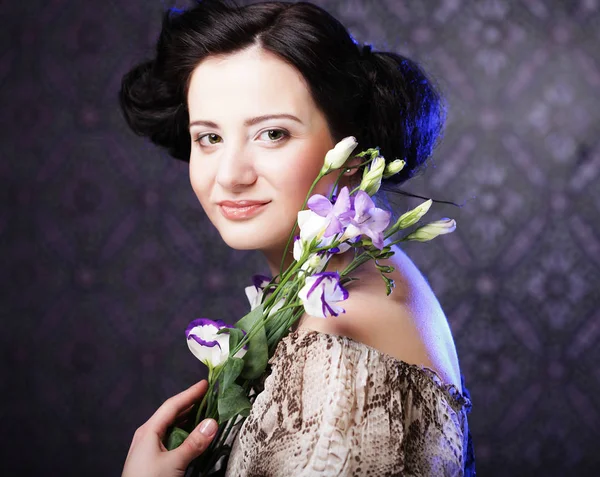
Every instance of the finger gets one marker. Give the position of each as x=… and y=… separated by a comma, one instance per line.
x=134, y=441
x=194, y=444
x=182, y=422
x=184, y=414
x=184, y=417
x=167, y=413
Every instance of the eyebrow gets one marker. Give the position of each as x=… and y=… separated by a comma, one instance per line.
x=247, y=122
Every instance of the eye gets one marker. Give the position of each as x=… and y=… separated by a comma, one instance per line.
x=212, y=139
x=275, y=135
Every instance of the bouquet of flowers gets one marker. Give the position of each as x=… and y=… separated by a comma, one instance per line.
x=237, y=356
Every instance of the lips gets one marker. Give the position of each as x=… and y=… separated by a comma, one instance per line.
x=242, y=203
x=241, y=209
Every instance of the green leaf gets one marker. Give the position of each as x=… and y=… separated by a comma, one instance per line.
x=384, y=255
x=257, y=355
x=176, y=437
x=233, y=402
x=231, y=370
x=235, y=336
x=384, y=268
x=389, y=284
x=275, y=327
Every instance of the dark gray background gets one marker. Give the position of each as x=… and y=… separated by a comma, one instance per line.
x=107, y=254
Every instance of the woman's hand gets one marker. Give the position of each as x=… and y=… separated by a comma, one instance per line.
x=147, y=455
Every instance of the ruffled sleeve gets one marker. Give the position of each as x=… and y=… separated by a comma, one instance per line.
x=332, y=406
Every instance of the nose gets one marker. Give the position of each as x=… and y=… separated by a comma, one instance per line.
x=236, y=168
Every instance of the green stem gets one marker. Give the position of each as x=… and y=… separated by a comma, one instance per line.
x=391, y=231
x=252, y=332
x=286, y=277
x=327, y=247
x=373, y=155
x=355, y=263
x=314, y=184
x=286, y=307
x=285, y=325
x=220, y=442
x=295, y=317
x=340, y=175
x=213, y=376
x=403, y=239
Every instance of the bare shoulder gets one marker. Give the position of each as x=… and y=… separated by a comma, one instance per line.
x=409, y=324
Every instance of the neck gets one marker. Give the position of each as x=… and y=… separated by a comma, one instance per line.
x=273, y=258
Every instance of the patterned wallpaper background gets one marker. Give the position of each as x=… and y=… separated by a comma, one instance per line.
x=107, y=255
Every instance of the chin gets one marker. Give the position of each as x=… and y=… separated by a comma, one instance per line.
x=239, y=244
x=251, y=241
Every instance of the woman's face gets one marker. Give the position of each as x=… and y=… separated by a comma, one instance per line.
x=257, y=135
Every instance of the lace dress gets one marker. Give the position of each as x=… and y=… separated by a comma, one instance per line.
x=332, y=406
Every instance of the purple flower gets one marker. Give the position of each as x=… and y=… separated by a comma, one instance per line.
x=320, y=292
x=337, y=214
x=367, y=220
x=208, y=346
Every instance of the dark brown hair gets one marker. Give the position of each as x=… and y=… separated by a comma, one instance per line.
x=382, y=98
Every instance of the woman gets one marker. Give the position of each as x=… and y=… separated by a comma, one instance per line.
x=253, y=97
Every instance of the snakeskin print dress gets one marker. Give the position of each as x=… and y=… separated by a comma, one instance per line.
x=332, y=406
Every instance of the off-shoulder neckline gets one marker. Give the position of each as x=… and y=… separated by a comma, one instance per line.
x=449, y=389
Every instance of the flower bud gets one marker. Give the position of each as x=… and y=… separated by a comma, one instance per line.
x=413, y=216
x=316, y=262
x=336, y=157
x=432, y=230
x=393, y=168
x=372, y=179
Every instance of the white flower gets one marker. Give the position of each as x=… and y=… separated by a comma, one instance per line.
x=432, y=230
x=336, y=157
x=298, y=248
x=371, y=181
x=208, y=346
x=255, y=292
x=320, y=292
x=312, y=225
x=393, y=168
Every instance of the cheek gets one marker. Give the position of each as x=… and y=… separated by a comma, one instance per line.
x=300, y=168
x=200, y=181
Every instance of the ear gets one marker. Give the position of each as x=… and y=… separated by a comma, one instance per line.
x=347, y=178
x=353, y=161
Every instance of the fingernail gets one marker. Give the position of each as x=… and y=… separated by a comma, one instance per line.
x=209, y=427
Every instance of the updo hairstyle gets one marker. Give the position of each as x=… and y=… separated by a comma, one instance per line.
x=382, y=98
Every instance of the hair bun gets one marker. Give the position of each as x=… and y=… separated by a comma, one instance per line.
x=151, y=108
x=403, y=113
